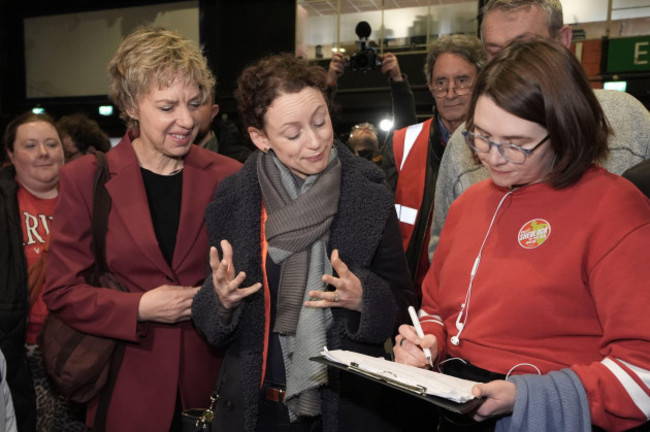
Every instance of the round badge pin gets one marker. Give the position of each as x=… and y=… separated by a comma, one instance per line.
x=534, y=233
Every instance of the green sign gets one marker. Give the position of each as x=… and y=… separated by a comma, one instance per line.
x=628, y=54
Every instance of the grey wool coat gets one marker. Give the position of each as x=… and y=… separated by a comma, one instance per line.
x=366, y=232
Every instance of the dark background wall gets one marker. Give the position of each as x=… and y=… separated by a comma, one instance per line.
x=13, y=99
x=233, y=33
x=237, y=32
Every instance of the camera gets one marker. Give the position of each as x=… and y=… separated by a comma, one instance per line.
x=366, y=59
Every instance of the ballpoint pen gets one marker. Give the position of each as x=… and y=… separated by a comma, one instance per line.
x=418, y=330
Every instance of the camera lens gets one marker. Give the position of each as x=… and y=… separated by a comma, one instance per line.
x=362, y=61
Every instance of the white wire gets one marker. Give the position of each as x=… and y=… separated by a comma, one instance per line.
x=464, y=310
x=539, y=372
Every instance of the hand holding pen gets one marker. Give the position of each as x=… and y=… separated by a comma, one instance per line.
x=412, y=346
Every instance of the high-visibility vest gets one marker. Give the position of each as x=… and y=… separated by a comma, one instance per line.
x=410, y=149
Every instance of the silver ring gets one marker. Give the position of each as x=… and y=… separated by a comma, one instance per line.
x=336, y=296
x=402, y=341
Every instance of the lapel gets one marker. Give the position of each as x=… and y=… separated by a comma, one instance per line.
x=129, y=201
x=198, y=186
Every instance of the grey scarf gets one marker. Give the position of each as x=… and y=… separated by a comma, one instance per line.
x=297, y=231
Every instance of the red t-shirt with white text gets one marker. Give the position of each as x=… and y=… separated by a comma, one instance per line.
x=35, y=219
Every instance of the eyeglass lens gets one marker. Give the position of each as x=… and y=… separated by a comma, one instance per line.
x=509, y=152
x=462, y=87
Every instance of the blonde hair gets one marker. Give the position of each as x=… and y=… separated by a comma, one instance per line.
x=154, y=55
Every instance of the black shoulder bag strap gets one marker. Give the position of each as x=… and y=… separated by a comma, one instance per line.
x=101, y=209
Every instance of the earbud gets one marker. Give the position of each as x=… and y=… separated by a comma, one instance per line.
x=455, y=341
x=459, y=324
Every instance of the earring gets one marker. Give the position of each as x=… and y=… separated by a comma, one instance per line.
x=265, y=149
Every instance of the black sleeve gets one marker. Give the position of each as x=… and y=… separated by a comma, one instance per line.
x=389, y=263
x=388, y=163
x=403, y=103
x=640, y=176
x=14, y=305
x=330, y=94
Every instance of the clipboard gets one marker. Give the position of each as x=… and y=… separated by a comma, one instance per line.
x=417, y=391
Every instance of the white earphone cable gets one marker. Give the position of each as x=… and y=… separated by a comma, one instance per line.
x=461, y=321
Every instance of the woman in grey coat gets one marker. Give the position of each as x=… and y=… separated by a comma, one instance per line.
x=306, y=253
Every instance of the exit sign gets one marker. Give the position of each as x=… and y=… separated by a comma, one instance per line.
x=628, y=54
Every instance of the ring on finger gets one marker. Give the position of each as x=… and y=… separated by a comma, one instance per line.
x=401, y=342
x=336, y=296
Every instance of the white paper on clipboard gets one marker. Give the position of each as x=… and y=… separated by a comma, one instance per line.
x=421, y=380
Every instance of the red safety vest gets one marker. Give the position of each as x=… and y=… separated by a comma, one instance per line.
x=410, y=148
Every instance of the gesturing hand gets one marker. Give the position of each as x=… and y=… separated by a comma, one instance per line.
x=347, y=288
x=226, y=284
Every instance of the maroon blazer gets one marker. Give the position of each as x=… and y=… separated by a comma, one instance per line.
x=160, y=360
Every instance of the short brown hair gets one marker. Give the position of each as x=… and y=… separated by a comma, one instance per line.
x=542, y=81
x=154, y=54
x=84, y=132
x=262, y=82
x=468, y=47
x=10, y=131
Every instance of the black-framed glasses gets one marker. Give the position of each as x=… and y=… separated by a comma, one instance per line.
x=510, y=152
x=462, y=86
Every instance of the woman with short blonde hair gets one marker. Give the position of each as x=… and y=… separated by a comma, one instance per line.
x=160, y=184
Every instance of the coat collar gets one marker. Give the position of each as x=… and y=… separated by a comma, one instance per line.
x=126, y=186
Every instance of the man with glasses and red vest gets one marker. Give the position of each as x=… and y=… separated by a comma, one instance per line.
x=412, y=157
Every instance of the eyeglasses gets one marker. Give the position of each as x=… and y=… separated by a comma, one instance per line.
x=510, y=152
x=462, y=86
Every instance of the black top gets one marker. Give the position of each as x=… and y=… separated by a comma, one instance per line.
x=164, y=196
x=275, y=372
x=640, y=175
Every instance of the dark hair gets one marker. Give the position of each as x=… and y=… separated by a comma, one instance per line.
x=12, y=128
x=542, y=81
x=262, y=82
x=84, y=132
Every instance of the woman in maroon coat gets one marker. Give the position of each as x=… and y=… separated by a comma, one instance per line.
x=160, y=184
